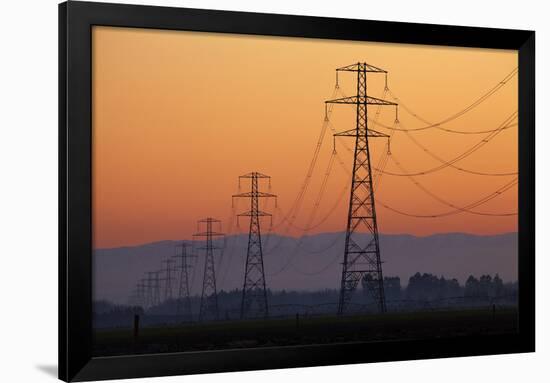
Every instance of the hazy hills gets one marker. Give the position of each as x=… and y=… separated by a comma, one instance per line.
x=315, y=264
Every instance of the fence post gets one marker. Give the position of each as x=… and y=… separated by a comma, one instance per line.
x=136, y=325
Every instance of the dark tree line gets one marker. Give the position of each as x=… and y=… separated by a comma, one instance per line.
x=421, y=290
x=429, y=287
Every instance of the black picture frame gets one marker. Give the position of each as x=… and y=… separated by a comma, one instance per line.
x=75, y=225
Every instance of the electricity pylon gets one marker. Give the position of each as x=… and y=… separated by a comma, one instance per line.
x=156, y=287
x=209, y=296
x=141, y=293
x=183, y=307
x=150, y=286
x=362, y=249
x=254, y=295
x=168, y=280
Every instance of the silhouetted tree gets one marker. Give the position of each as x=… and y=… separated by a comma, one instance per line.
x=392, y=287
x=423, y=287
x=453, y=288
x=471, y=289
x=485, y=285
x=498, y=287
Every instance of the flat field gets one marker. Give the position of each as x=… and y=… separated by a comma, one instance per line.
x=306, y=330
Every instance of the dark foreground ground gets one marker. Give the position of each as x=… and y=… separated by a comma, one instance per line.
x=313, y=330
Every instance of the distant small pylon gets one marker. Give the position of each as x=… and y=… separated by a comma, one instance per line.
x=168, y=279
x=209, y=296
x=254, y=296
x=183, y=306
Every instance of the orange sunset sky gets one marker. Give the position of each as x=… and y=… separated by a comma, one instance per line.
x=178, y=116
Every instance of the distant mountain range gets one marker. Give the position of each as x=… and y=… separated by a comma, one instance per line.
x=315, y=263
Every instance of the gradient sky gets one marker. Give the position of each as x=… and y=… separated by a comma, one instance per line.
x=178, y=116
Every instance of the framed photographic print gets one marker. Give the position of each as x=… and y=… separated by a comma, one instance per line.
x=325, y=191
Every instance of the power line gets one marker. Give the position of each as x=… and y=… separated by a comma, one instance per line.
x=454, y=116
x=443, y=201
x=437, y=125
x=290, y=217
x=229, y=246
x=295, y=207
x=309, y=225
x=459, y=210
x=395, y=129
x=323, y=269
x=484, y=141
x=450, y=163
x=462, y=209
x=383, y=160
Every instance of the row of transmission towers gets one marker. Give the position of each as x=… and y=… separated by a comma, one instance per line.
x=254, y=293
x=158, y=286
x=175, y=270
x=361, y=258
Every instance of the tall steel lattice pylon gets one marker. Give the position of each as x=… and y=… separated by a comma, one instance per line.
x=362, y=249
x=254, y=295
x=183, y=306
x=209, y=296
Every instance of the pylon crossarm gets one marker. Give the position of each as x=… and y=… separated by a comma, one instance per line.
x=254, y=174
x=361, y=67
x=212, y=220
x=252, y=194
x=375, y=133
x=346, y=133
x=369, y=100
x=353, y=133
x=253, y=213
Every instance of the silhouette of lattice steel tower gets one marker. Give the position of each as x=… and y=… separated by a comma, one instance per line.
x=254, y=295
x=209, y=296
x=362, y=249
x=168, y=280
x=183, y=306
x=141, y=293
x=157, y=286
x=150, y=286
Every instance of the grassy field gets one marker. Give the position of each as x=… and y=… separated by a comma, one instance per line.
x=312, y=330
